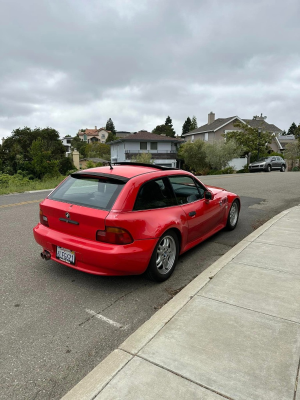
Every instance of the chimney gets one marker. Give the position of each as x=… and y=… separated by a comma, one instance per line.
x=96, y=127
x=211, y=118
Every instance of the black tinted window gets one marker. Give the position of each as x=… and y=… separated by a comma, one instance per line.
x=155, y=194
x=90, y=192
x=186, y=189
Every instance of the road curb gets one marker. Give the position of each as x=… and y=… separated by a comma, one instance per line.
x=92, y=384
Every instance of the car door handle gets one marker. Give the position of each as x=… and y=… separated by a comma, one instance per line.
x=192, y=213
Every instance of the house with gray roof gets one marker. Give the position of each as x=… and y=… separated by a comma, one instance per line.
x=215, y=129
x=163, y=149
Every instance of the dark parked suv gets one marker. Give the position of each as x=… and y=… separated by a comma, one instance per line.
x=268, y=164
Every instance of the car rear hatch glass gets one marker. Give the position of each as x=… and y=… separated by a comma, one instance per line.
x=81, y=203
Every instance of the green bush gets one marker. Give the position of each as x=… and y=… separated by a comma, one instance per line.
x=4, y=180
x=295, y=169
x=276, y=154
x=227, y=170
x=65, y=165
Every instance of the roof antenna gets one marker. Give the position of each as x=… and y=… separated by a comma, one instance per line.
x=109, y=163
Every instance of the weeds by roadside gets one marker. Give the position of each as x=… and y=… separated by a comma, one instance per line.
x=19, y=185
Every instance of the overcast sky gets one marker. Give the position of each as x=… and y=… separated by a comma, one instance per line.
x=72, y=64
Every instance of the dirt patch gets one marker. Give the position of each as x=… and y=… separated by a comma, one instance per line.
x=171, y=292
x=259, y=222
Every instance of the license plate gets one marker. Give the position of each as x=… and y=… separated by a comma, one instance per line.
x=65, y=255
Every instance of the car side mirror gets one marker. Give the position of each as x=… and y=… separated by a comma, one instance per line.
x=208, y=195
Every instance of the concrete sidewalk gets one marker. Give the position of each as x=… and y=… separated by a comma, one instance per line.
x=233, y=332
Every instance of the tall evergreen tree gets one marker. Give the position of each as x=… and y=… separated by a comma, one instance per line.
x=186, y=126
x=110, y=126
x=169, y=123
x=111, y=137
x=193, y=123
x=292, y=129
x=164, y=130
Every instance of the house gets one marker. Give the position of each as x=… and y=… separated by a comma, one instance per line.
x=93, y=135
x=216, y=128
x=66, y=141
x=163, y=149
x=286, y=139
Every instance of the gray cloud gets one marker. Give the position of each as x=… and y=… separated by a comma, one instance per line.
x=72, y=64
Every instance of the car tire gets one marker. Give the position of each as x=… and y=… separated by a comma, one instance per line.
x=233, y=216
x=282, y=169
x=164, y=258
x=269, y=168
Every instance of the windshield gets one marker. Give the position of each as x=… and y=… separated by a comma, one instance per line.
x=95, y=192
x=263, y=159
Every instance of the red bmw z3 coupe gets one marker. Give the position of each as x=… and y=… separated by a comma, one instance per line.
x=131, y=218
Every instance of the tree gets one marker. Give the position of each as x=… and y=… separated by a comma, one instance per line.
x=110, y=126
x=186, y=126
x=193, y=123
x=170, y=124
x=145, y=158
x=15, y=152
x=292, y=129
x=284, y=133
x=194, y=155
x=111, y=137
x=42, y=162
x=100, y=150
x=292, y=152
x=219, y=153
x=250, y=139
x=297, y=134
x=164, y=130
x=79, y=145
x=65, y=165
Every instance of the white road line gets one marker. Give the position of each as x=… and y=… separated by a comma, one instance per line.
x=36, y=191
x=109, y=321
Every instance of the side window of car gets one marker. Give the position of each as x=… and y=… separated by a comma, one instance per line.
x=155, y=194
x=186, y=189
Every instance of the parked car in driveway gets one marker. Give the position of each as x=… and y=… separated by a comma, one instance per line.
x=131, y=218
x=268, y=164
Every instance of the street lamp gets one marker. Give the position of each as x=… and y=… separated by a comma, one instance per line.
x=259, y=132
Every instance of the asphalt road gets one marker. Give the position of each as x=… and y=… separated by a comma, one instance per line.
x=50, y=337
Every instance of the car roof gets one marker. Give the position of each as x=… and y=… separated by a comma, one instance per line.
x=126, y=171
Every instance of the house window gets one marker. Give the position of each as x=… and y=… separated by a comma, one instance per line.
x=143, y=145
x=206, y=137
x=153, y=145
x=102, y=136
x=193, y=138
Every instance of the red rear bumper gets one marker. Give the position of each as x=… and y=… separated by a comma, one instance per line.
x=96, y=257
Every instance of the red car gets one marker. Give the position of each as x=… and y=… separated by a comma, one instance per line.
x=130, y=218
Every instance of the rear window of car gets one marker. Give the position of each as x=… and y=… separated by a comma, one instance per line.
x=94, y=192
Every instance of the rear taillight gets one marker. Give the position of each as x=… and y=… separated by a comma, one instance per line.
x=114, y=236
x=43, y=219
